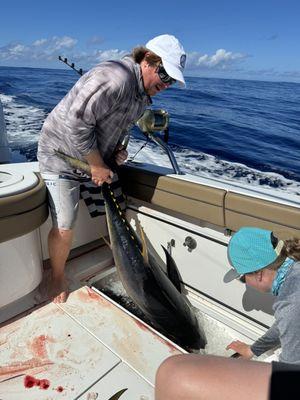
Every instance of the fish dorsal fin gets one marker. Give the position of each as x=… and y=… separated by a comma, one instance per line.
x=144, y=249
x=172, y=270
x=117, y=395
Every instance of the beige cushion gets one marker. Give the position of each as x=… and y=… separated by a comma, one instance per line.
x=241, y=210
x=197, y=201
x=23, y=212
x=216, y=206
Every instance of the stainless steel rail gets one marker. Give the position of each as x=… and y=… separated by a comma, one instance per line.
x=156, y=139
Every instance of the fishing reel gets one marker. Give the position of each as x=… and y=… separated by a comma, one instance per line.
x=154, y=121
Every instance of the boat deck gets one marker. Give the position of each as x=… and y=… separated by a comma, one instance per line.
x=83, y=349
x=91, y=347
x=87, y=348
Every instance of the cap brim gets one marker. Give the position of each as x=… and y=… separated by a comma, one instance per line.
x=174, y=72
x=230, y=275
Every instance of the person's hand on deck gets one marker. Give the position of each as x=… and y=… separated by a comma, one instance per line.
x=242, y=348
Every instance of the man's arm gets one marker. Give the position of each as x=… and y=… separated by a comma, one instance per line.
x=100, y=171
x=92, y=98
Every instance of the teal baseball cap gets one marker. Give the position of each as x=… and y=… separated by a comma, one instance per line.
x=251, y=249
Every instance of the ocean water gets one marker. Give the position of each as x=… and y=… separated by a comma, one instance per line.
x=234, y=130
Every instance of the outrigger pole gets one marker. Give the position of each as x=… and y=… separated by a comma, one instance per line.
x=72, y=65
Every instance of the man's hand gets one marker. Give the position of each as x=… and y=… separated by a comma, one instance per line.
x=101, y=174
x=100, y=171
x=121, y=155
x=242, y=348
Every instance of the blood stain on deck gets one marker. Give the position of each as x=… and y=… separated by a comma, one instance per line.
x=31, y=381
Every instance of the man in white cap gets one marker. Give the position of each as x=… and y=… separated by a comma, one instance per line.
x=90, y=123
x=172, y=54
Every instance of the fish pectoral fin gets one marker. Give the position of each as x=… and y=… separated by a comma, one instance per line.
x=172, y=270
x=117, y=395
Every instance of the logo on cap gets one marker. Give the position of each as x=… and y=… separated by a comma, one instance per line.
x=182, y=60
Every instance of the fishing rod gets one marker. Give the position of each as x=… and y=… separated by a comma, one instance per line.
x=71, y=65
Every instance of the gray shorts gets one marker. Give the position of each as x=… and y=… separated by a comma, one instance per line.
x=63, y=198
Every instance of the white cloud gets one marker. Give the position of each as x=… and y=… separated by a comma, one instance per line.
x=87, y=60
x=39, y=42
x=63, y=42
x=41, y=49
x=44, y=52
x=113, y=54
x=12, y=51
x=47, y=50
x=222, y=59
x=18, y=49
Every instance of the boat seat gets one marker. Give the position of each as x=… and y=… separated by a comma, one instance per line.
x=210, y=205
x=23, y=212
x=200, y=202
x=242, y=210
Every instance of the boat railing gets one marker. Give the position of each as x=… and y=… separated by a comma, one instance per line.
x=156, y=139
x=158, y=121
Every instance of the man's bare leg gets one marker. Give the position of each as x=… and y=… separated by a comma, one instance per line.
x=59, y=244
x=194, y=377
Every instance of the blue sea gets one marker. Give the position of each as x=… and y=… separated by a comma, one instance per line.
x=234, y=130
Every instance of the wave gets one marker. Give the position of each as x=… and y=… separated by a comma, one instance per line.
x=23, y=122
x=208, y=166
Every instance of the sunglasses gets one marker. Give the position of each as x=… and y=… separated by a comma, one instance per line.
x=164, y=77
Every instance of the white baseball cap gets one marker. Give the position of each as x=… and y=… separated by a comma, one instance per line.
x=172, y=54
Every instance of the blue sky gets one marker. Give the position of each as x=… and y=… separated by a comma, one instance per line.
x=229, y=38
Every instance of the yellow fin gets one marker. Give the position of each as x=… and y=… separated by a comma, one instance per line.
x=144, y=246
